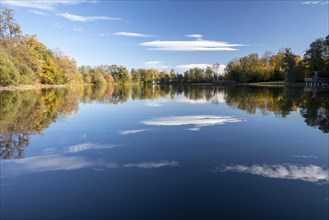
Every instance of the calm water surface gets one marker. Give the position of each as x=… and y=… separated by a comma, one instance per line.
x=164, y=153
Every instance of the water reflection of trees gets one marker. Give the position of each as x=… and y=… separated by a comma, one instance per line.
x=25, y=113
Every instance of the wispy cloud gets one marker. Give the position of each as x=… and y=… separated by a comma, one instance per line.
x=183, y=67
x=38, y=12
x=315, y=3
x=150, y=165
x=309, y=173
x=41, y=4
x=125, y=132
x=88, y=146
x=155, y=64
x=196, y=45
x=131, y=34
x=81, y=18
x=196, y=120
x=194, y=35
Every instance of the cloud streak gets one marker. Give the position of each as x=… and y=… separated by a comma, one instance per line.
x=155, y=64
x=183, y=67
x=37, y=12
x=308, y=173
x=315, y=3
x=196, y=45
x=194, y=35
x=80, y=18
x=131, y=34
x=41, y=4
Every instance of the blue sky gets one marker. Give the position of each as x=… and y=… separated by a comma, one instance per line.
x=170, y=34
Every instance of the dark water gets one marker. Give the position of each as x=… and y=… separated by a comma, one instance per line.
x=164, y=153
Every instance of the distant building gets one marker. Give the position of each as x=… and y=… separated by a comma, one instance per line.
x=319, y=78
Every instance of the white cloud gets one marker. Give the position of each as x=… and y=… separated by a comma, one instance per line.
x=194, y=35
x=309, y=173
x=315, y=3
x=80, y=18
x=41, y=4
x=150, y=165
x=155, y=64
x=88, y=146
x=196, y=120
x=196, y=45
x=184, y=67
x=131, y=34
x=125, y=132
x=152, y=63
x=37, y=12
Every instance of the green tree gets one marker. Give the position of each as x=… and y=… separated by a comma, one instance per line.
x=318, y=54
x=9, y=27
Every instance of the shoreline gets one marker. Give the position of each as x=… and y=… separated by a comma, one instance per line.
x=27, y=87
x=223, y=83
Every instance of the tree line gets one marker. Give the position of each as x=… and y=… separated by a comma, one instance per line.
x=25, y=60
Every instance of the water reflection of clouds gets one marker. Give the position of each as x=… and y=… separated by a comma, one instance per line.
x=125, y=132
x=219, y=97
x=309, y=173
x=149, y=165
x=44, y=163
x=69, y=163
x=192, y=101
x=305, y=156
x=88, y=146
x=196, y=120
x=153, y=104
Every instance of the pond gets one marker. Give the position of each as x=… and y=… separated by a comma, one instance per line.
x=164, y=152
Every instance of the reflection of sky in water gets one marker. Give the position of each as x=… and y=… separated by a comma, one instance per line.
x=148, y=153
x=309, y=173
